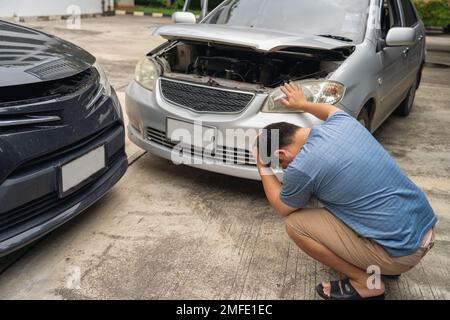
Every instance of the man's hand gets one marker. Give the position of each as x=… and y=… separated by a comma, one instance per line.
x=295, y=98
x=270, y=183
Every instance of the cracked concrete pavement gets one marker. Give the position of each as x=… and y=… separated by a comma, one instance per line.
x=173, y=232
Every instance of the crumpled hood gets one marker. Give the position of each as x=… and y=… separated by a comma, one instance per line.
x=30, y=56
x=257, y=39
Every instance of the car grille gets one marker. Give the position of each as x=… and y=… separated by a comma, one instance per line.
x=31, y=107
x=200, y=98
x=52, y=69
x=47, y=90
x=222, y=154
x=64, y=151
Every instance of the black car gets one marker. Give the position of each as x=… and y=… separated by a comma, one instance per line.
x=62, y=138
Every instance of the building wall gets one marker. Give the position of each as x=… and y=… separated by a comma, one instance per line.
x=23, y=8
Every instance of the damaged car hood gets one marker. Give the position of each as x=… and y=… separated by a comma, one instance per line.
x=257, y=39
x=29, y=56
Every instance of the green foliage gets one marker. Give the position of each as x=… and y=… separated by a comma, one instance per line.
x=151, y=3
x=434, y=13
x=214, y=3
x=178, y=4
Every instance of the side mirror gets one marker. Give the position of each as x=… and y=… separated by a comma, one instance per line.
x=184, y=17
x=397, y=37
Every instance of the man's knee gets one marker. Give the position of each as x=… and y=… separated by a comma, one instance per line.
x=296, y=225
x=307, y=223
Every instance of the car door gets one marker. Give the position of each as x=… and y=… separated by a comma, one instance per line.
x=414, y=52
x=394, y=62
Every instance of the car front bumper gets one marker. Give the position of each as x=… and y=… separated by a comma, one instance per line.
x=241, y=171
x=40, y=214
x=148, y=112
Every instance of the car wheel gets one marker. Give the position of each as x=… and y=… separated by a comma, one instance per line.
x=363, y=118
x=404, y=109
x=419, y=76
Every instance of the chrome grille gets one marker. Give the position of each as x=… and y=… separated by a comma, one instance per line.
x=201, y=98
x=221, y=154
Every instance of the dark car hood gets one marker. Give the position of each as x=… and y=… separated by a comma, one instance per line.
x=30, y=56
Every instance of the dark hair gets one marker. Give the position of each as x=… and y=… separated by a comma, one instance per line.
x=285, y=132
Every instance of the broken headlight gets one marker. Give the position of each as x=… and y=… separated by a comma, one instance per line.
x=317, y=91
x=146, y=73
x=103, y=79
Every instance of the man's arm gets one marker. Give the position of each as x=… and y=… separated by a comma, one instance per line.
x=296, y=99
x=272, y=187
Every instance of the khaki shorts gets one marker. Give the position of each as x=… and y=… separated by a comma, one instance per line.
x=323, y=227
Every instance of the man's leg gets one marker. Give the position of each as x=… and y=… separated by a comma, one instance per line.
x=301, y=228
x=358, y=277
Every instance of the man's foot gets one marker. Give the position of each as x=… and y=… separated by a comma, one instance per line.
x=361, y=289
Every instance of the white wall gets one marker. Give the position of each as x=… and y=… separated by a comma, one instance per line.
x=24, y=8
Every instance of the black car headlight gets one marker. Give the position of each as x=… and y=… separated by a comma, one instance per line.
x=103, y=79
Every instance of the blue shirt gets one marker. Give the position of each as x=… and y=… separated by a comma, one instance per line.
x=359, y=182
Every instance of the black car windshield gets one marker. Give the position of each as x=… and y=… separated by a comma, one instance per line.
x=345, y=19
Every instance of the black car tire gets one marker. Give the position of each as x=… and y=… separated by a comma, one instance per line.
x=419, y=75
x=404, y=109
x=363, y=118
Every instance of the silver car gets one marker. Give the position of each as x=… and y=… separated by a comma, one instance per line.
x=223, y=74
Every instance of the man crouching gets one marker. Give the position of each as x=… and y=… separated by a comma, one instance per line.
x=374, y=216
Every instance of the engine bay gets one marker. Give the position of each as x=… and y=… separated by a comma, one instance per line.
x=265, y=70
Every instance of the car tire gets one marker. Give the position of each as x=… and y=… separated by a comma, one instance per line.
x=363, y=118
x=419, y=76
x=404, y=109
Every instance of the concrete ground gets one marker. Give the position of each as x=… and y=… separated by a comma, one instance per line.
x=169, y=232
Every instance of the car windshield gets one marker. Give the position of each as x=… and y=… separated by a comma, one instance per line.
x=340, y=19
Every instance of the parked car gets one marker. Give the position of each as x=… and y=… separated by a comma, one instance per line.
x=61, y=134
x=365, y=56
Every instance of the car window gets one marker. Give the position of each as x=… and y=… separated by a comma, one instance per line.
x=343, y=18
x=390, y=16
x=408, y=13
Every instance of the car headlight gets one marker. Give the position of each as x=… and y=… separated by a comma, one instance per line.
x=317, y=91
x=146, y=73
x=107, y=89
x=103, y=79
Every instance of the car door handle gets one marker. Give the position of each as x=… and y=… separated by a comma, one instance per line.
x=420, y=38
x=406, y=51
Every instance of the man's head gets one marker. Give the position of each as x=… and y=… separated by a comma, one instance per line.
x=279, y=141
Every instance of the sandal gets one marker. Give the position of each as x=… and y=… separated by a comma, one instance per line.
x=343, y=290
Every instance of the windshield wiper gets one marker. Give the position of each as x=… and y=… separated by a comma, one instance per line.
x=332, y=36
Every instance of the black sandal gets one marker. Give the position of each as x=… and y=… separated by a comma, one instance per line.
x=343, y=290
